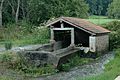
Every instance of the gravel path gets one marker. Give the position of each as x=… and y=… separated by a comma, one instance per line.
x=29, y=47
x=86, y=70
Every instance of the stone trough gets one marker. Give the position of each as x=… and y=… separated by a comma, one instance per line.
x=48, y=54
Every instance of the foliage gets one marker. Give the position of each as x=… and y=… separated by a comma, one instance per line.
x=45, y=9
x=114, y=35
x=8, y=45
x=6, y=57
x=38, y=11
x=98, y=7
x=114, y=9
x=24, y=34
x=36, y=72
x=75, y=61
x=15, y=62
x=6, y=78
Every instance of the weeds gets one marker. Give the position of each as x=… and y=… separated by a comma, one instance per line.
x=75, y=61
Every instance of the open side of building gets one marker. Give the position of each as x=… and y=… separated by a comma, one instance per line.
x=79, y=33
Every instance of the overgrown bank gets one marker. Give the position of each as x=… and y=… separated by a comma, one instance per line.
x=18, y=63
x=23, y=34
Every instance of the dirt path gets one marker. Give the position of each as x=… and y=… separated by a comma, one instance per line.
x=82, y=71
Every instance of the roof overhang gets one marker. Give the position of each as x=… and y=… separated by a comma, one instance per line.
x=80, y=26
x=58, y=20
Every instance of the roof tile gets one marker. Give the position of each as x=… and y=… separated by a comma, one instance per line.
x=83, y=24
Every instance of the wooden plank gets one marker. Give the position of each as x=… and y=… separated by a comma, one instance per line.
x=63, y=28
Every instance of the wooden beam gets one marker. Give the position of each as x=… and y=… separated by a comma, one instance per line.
x=55, y=21
x=72, y=36
x=52, y=34
x=60, y=19
x=61, y=23
x=63, y=28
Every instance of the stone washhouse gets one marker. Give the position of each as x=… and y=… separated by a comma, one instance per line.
x=79, y=32
x=68, y=36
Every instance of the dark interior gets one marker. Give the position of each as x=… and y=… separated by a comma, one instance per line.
x=64, y=36
x=81, y=37
x=57, y=25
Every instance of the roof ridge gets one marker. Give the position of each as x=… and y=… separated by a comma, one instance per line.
x=85, y=24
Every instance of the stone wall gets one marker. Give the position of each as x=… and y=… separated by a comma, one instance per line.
x=57, y=45
x=102, y=43
x=38, y=58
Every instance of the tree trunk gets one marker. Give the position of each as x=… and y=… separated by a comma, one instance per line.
x=23, y=10
x=12, y=7
x=17, y=12
x=1, y=6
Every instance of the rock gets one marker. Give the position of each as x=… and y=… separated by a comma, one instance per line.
x=38, y=58
x=118, y=78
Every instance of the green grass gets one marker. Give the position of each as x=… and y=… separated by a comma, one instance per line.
x=99, y=20
x=6, y=78
x=112, y=70
x=21, y=37
x=75, y=61
x=98, y=17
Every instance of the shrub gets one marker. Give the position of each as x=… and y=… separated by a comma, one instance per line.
x=5, y=57
x=74, y=61
x=35, y=72
x=115, y=34
x=117, y=53
x=8, y=45
x=15, y=62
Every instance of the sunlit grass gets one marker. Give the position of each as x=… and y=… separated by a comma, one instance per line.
x=6, y=78
x=100, y=19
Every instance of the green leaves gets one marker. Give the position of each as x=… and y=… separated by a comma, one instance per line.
x=42, y=10
x=114, y=9
x=115, y=34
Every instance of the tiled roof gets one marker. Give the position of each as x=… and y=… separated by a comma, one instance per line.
x=82, y=23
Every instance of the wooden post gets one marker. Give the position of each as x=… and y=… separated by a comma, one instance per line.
x=52, y=34
x=52, y=41
x=72, y=37
x=62, y=25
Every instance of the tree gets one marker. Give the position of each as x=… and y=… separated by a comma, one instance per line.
x=17, y=11
x=1, y=8
x=41, y=10
x=114, y=9
x=38, y=11
x=98, y=7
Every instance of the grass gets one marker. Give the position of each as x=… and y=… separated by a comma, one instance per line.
x=38, y=35
x=6, y=78
x=99, y=20
x=75, y=61
x=97, y=17
x=112, y=70
x=11, y=63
